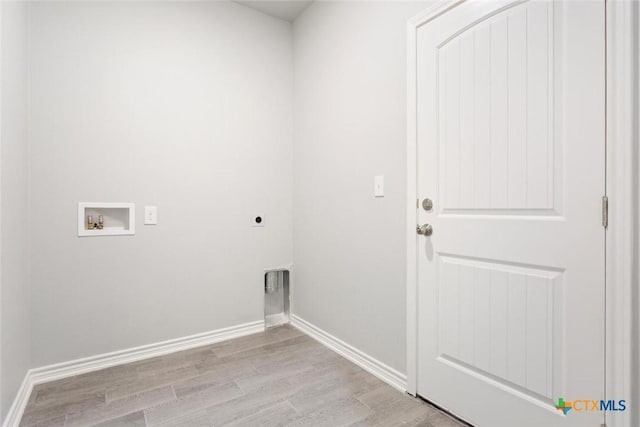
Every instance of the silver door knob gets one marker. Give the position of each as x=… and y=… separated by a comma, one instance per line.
x=424, y=229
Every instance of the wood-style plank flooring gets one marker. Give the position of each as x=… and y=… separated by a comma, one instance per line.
x=277, y=378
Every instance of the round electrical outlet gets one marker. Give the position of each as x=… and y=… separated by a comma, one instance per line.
x=257, y=221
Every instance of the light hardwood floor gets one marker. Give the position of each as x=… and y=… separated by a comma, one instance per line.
x=277, y=378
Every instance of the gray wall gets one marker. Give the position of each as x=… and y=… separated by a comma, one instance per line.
x=14, y=279
x=350, y=124
x=186, y=106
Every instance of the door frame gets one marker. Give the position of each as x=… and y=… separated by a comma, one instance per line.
x=622, y=182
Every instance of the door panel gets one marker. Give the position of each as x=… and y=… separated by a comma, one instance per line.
x=494, y=319
x=495, y=86
x=510, y=118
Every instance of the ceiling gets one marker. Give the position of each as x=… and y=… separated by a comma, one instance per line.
x=283, y=9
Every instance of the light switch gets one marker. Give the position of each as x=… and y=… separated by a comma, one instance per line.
x=378, y=186
x=150, y=215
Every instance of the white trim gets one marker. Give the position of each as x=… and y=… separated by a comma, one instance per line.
x=413, y=24
x=291, y=291
x=366, y=362
x=19, y=403
x=622, y=236
x=286, y=267
x=107, y=360
x=411, y=202
x=1, y=144
x=621, y=166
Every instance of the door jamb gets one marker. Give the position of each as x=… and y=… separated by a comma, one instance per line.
x=622, y=232
x=438, y=8
x=622, y=183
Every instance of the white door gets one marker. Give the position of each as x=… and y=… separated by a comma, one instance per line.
x=511, y=143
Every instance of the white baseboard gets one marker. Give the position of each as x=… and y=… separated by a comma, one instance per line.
x=19, y=403
x=384, y=372
x=94, y=363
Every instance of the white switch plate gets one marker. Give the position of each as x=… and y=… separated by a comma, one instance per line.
x=150, y=215
x=378, y=186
